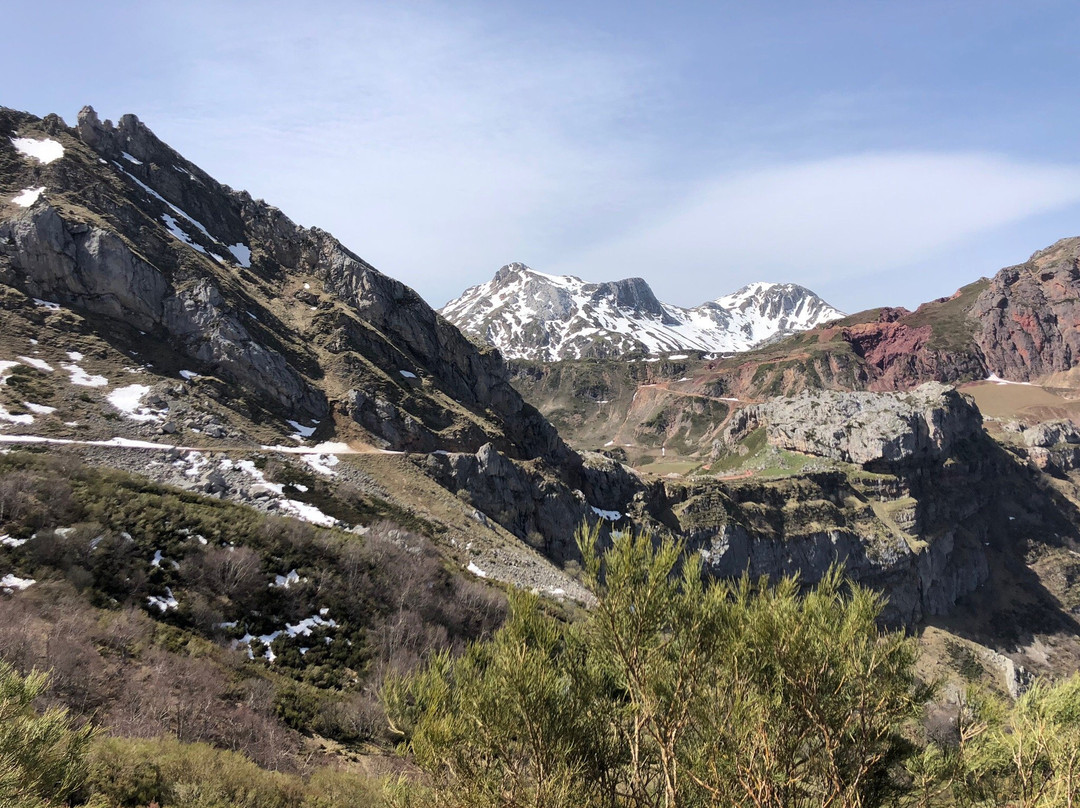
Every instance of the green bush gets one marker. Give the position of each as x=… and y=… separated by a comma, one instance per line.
x=42, y=757
x=130, y=773
x=667, y=693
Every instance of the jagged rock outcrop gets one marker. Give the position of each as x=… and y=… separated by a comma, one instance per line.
x=916, y=523
x=1051, y=433
x=919, y=584
x=898, y=354
x=924, y=425
x=95, y=271
x=1053, y=445
x=521, y=498
x=1028, y=319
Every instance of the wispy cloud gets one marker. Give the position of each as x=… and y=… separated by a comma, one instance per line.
x=823, y=221
x=441, y=140
x=434, y=146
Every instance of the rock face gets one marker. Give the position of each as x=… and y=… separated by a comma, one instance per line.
x=916, y=524
x=531, y=315
x=520, y=498
x=1028, y=319
x=919, y=584
x=922, y=426
x=1054, y=445
x=96, y=271
x=1051, y=433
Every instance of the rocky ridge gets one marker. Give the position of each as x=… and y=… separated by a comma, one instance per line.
x=532, y=315
x=111, y=249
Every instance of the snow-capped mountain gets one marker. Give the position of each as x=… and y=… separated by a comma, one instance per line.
x=531, y=315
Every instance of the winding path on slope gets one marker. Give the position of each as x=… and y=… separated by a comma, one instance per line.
x=128, y=443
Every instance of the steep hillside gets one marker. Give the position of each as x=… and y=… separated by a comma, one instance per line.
x=127, y=230
x=531, y=315
x=180, y=308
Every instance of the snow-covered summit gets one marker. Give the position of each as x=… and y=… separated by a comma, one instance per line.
x=532, y=315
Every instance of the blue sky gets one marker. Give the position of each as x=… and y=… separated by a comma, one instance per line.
x=877, y=152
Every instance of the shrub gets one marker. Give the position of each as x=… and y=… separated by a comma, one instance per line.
x=42, y=757
x=667, y=693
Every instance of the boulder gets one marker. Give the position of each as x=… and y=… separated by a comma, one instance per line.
x=925, y=424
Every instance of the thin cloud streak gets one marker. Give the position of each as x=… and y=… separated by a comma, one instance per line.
x=425, y=143
x=825, y=221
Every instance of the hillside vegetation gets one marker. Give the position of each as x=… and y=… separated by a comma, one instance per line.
x=665, y=695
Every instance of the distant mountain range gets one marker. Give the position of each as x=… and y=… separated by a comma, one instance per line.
x=532, y=315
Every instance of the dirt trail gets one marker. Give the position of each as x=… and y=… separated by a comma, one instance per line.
x=131, y=443
x=666, y=387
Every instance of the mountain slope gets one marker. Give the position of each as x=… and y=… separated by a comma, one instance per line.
x=531, y=315
x=130, y=231
x=188, y=314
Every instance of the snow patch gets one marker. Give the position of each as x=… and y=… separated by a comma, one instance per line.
x=301, y=430
x=39, y=409
x=287, y=580
x=21, y=420
x=40, y=364
x=28, y=196
x=993, y=377
x=170, y=221
x=475, y=570
x=84, y=379
x=46, y=304
x=179, y=233
x=611, y=516
x=6, y=364
x=7, y=541
x=407, y=374
x=301, y=510
x=309, y=513
x=127, y=443
x=307, y=625
x=321, y=463
x=131, y=159
x=129, y=401
x=45, y=151
x=164, y=603
x=12, y=582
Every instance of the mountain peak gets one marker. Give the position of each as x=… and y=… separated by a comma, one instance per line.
x=510, y=271
x=532, y=315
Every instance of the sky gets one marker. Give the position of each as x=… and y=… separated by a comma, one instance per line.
x=879, y=153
